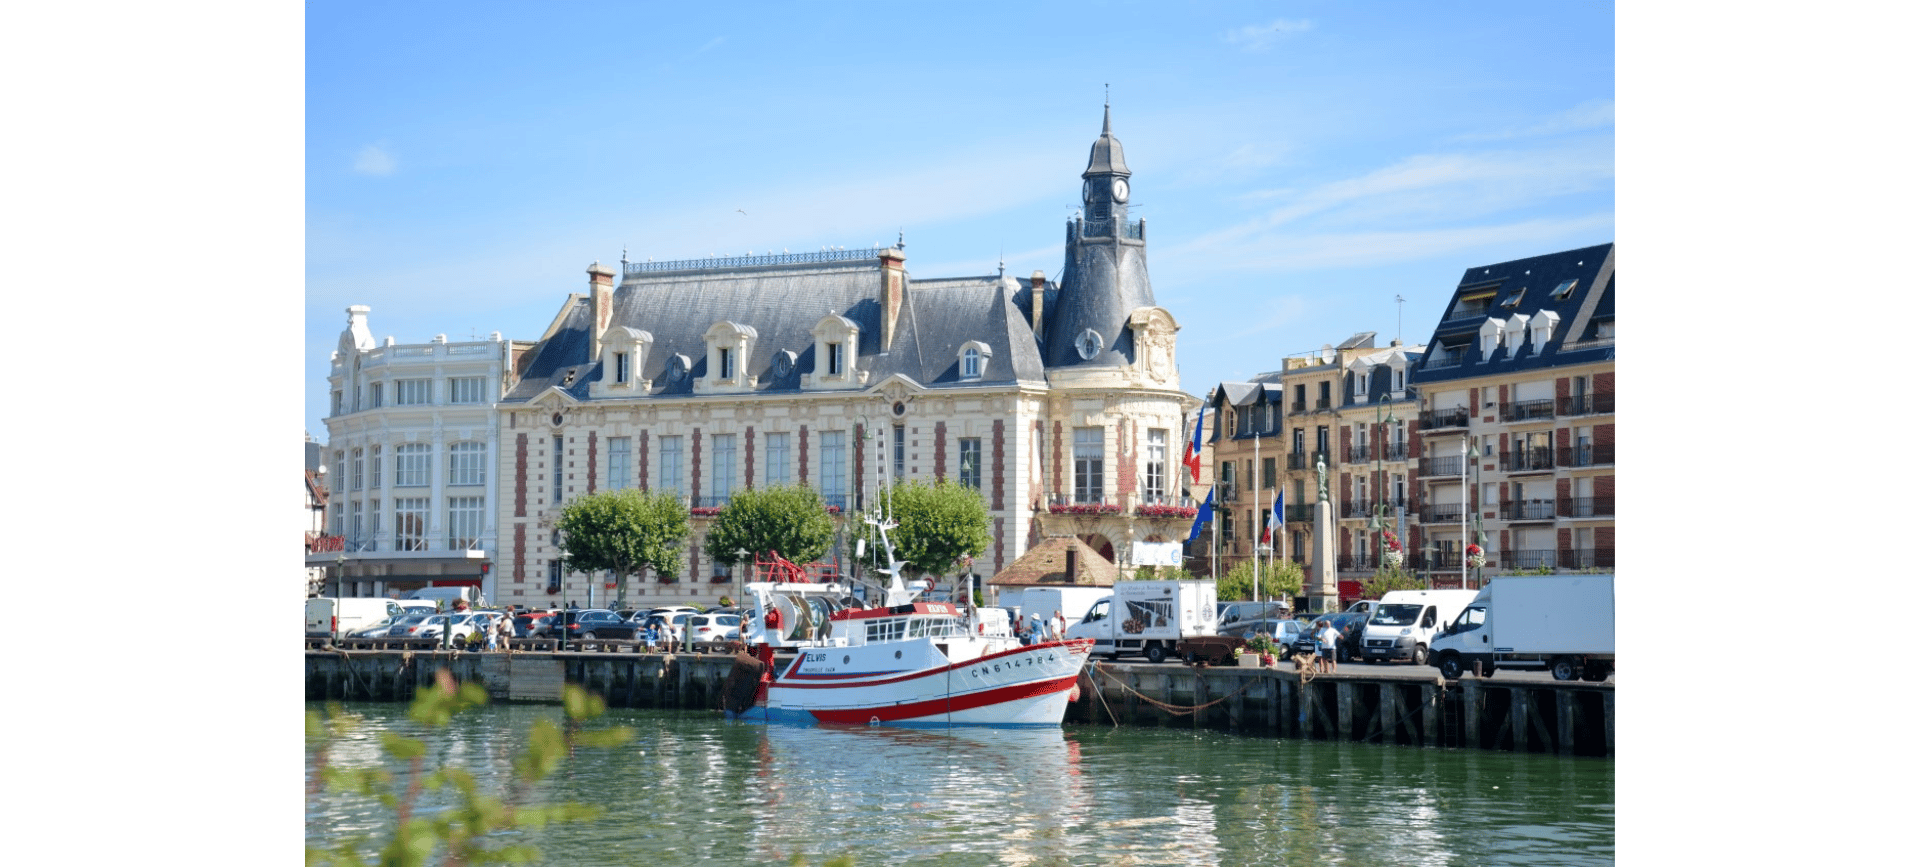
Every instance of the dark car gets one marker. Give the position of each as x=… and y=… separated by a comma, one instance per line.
x=1348, y=623
x=588, y=623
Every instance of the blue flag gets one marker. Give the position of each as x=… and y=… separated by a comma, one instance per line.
x=1205, y=514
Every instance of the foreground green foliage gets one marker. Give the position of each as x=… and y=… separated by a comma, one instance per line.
x=624, y=531
x=458, y=834
x=788, y=519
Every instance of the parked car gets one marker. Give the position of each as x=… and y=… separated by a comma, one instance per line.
x=400, y=628
x=1231, y=613
x=677, y=617
x=1283, y=631
x=709, y=633
x=1348, y=623
x=590, y=623
x=533, y=624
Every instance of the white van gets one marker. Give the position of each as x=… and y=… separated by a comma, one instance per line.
x=333, y=618
x=444, y=596
x=1404, y=623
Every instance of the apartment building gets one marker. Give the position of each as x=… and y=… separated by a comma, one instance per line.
x=1514, y=443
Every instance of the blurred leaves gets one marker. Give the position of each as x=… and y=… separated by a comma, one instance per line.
x=457, y=832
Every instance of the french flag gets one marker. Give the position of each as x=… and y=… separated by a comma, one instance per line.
x=1202, y=517
x=1276, y=517
x=1192, y=457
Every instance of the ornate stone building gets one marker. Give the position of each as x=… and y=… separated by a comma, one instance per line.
x=1060, y=403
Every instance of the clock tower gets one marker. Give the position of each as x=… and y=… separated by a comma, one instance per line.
x=1088, y=325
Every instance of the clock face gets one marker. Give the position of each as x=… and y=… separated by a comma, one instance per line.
x=1120, y=189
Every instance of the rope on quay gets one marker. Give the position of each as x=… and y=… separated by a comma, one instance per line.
x=1174, y=709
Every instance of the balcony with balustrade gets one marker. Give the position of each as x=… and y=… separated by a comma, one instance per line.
x=1444, y=465
x=1527, y=511
x=1590, y=455
x=1587, y=404
x=1586, y=558
x=1527, y=459
x=1586, y=507
x=1435, y=419
x=1526, y=410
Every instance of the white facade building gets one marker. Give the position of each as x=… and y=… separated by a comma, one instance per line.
x=412, y=446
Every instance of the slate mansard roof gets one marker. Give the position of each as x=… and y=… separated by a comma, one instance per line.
x=1572, y=290
x=783, y=303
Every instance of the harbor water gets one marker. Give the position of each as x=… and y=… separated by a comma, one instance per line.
x=694, y=788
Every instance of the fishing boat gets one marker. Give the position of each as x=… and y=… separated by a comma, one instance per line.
x=904, y=662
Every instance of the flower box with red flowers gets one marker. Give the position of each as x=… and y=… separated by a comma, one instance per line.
x=1160, y=511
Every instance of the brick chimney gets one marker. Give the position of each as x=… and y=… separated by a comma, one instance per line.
x=600, y=291
x=893, y=277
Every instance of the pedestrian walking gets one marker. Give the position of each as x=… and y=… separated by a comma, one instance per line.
x=492, y=630
x=505, y=630
x=1059, y=626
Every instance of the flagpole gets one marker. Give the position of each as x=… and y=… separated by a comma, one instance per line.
x=1256, y=502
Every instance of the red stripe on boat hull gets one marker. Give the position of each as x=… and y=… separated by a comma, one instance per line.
x=956, y=704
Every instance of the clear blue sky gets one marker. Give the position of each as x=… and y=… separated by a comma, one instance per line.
x=1298, y=164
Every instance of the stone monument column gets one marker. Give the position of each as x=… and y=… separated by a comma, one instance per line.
x=1323, y=589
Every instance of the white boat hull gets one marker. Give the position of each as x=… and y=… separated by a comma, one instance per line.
x=912, y=683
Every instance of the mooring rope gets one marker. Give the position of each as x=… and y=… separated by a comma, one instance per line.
x=1176, y=710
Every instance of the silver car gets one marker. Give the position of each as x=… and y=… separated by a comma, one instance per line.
x=709, y=633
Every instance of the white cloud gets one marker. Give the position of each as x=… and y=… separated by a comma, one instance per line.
x=711, y=44
x=374, y=160
x=1297, y=252
x=1260, y=37
x=1593, y=114
x=1427, y=187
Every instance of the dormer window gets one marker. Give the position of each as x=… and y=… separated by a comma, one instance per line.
x=1491, y=332
x=1542, y=329
x=836, y=345
x=1565, y=289
x=974, y=356
x=623, y=354
x=1516, y=333
x=729, y=344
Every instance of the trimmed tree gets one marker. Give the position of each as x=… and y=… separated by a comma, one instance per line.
x=1387, y=580
x=1279, y=580
x=624, y=531
x=790, y=520
x=939, y=524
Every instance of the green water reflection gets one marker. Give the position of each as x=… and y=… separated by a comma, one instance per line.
x=693, y=788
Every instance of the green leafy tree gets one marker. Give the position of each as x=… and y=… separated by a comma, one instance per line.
x=939, y=525
x=624, y=531
x=1166, y=573
x=1277, y=580
x=789, y=519
x=1387, y=580
x=460, y=832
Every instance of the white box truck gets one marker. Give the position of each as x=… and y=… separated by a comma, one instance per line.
x=1404, y=622
x=1563, y=623
x=328, y=617
x=1148, y=618
x=1071, y=602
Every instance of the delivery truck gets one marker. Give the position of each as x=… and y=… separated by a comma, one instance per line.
x=328, y=617
x=1404, y=623
x=1148, y=618
x=1071, y=602
x=1563, y=623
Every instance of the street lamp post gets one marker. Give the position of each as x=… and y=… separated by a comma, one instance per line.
x=738, y=586
x=560, y=634
x=1380, y=482
x=339, y=574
